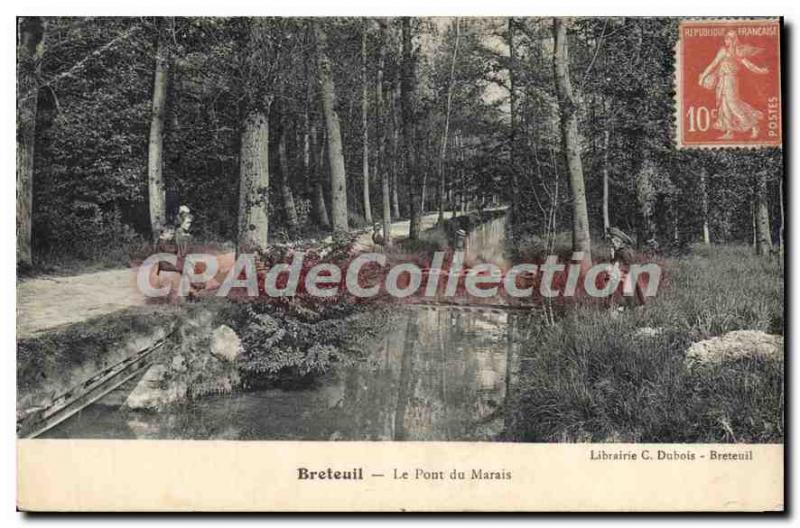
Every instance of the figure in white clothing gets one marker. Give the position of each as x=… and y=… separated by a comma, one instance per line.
x=733, y=114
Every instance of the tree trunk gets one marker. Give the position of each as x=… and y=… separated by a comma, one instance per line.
x=306, y=143
x=155, y=149
x=462, y=172
x=317, y=166
x=380, y=169
x=763, y=236
x=783, y=217
x=286, y=188
x=570, y=141
x=406, y=93
x=423, y=168
x=645, y=195
x=395, y=153
x=512, y=101
x=704, y=199
x=446, y=132
x=364, y=123
x=606, y=142
x=335, y=150
x=254, y=183
x=30, y=48
x=676, y=235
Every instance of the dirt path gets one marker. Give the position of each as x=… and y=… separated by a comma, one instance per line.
x=400, y=229
x=48, y=302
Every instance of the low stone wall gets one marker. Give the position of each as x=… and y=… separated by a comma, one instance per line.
x=57, y=360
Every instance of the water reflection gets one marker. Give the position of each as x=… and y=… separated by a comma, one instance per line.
x=487, y=243
x=439, y=374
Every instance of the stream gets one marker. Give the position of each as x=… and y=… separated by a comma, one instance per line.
x=437, y=374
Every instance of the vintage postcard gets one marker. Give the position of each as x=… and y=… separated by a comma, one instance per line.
x=400, y=264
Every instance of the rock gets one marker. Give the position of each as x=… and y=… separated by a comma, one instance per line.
x=179, y=363
x=225, y=344
x=735, y=345
x=648, y=331
x=154, y=390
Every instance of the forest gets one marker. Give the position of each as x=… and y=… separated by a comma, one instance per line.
x=292, y=127
x=279, y=131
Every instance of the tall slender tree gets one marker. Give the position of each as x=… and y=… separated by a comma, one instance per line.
x=570, y=140
x=394, y=99
x=407, y=82
x=512, y=107
x=365, y=124
x=704, y=204
x=335, y=149
x=317, y=165
x=606, y=151
x=155, y=148
x=380, y=168
x=30, y=49
x=446, y=131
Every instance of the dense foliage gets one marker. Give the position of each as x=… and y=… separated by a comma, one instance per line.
x=90, y=180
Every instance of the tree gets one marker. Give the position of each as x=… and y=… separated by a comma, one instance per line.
x=606, y=148
x=512, y=107
x=380, y=128
x=763, y=233
x=704, y=204
x=285, y=183
x=364, y=124
x=407, y=82
x=394, y=98
x=446, y=131
x=155, y=163
x=260, y=64
x=335, y=149
x=254, y=182
x=317, y=161
x=647, y=182
x=782, y=217
x=30, y=48
x=570, y=140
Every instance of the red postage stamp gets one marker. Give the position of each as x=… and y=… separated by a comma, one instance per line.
x=728, y=83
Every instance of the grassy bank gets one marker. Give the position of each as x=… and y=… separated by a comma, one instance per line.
x=283, y=345
x=56, y=360
x=595, y=376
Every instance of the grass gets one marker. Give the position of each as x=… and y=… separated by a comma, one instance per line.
x=592, y=377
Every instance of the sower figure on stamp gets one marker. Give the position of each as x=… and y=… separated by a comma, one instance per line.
x=722, y=75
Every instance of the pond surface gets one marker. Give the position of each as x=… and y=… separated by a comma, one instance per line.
x=437, y=374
